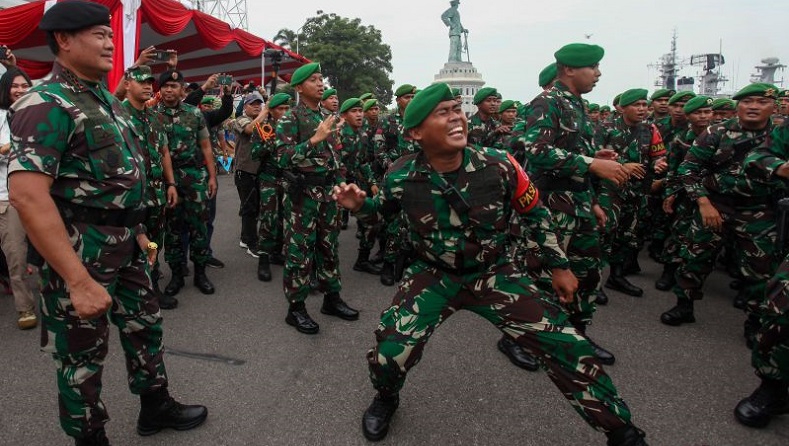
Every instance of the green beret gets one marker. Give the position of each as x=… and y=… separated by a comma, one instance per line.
x=328, y=93
x=366, y=96
x=304, y=72
x=605, y=108
x=696, y=103
x=350, y=103
x=74, y=15
x=594, y=107
x=547, y=75
x=724, y=104
x=456, y=92
x=633, y=95
x=207, y=100
x=682, y=96
x=662, y=93
x=424, y=103
x=577, y=55
x=404, y=90
x=758, y=89
x=171, y=76
x=483, y=94
x=506, y=105
x=616, y=99
x=279, y=99
x=370, y=103
x=783, y=94
x=140, y=73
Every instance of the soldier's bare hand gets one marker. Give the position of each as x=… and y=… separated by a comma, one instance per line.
x=349, y=196
x=661, y=165
x=710, y=217
x=147, y=56
x=657, y=185
x=211, y=187
x=8, y=59
x=609, y=170
x=211, y=82
x=668, y=204
x=374, y=189
x=606, y=154
x=783, y=170
x=172, y=197
x=90, y=299
x=324, y=129
x=599, y=214
x=503, y=129
x=565, y=284
x=635, y=170
x=172, y=62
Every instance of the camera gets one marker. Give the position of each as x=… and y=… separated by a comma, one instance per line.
x=225, y=79
x=162, y=55
x=3, y=50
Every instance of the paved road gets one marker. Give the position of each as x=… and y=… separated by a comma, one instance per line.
x=681, y=383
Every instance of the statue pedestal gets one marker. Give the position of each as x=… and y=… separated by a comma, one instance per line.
x=464, y=76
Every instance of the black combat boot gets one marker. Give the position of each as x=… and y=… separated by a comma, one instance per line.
x=160, y=411
x=681, y=313
x=364, y=264
x=264, y=268
x=631, y=265
x=769, y=399
x=667, y=279
x=740, y=301
x=299, y=318
x=176, y=280
x=277, y=258
x=375, y=421
x=201, y=280
x=333, y=305
x=604, y=356
x=387, y=274
x=617, y=281
x=656, y=249
x=601, y=298
x=97, y=438
x=516, y=354
x=378, y=257
x=626, y=436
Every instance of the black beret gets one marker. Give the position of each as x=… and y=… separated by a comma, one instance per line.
x=74, y=15
x=171, y=76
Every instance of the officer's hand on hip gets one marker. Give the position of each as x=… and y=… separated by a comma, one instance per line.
x=89, y=298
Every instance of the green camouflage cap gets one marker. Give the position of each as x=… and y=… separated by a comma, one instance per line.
x=370, y=103
x=578, y=55
x=207, y=100
x=697, y=103
x=350, y=103
x=633, y=95
x=547, y=75
x=456, y=92
x=783, y=94
x=682, y=96
x=329, y=93
x=724, y=104
x=505, y=105
x=483, y=94
x=424, y=103
x=760, y=89
x=279, y=99
x=141, y=73
x=605, y=108
x=366, y=96
x=404, y=90
x=594, y=107
x=616, y=99
x=662, y=93
x=304, y=72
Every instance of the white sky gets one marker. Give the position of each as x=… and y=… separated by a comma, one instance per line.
x=512, y=40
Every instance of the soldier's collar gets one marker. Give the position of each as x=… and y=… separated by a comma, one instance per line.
x=72, y=80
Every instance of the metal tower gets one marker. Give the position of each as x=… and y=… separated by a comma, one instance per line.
x=234, y=12
x=766, y=72
x=668, y=66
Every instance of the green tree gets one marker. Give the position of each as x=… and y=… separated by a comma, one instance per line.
x=286, y=38
x=353, y=57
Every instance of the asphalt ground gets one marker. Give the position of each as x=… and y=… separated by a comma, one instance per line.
x=274, y=386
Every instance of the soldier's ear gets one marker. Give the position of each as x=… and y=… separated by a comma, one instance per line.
x=415, y=133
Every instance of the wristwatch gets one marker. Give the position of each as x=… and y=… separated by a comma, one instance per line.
x=152, y=246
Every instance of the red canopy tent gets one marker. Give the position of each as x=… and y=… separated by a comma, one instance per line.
x=205, y=44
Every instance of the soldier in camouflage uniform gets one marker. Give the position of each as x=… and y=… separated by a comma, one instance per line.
x=508, y=113
x=138, y=83
x=330, y=101
x=307, y=148
x=483, y=128
x=375, y=138
x=660, y=107
x=261, y=124
x=723, y=109
x=770, y=356
x=78, y=180
x=394, y=144
x=459, y=202
x=195, y=178
x=699, y=113
x=559, y=151
x=731, y=205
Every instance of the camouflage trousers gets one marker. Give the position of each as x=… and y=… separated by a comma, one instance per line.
x=627, y=236
x=311, y=234
x=679, y=222
x=611, y=203
x=395, y=236
x=426, y=297
x=656, y=223
x=191, y=215
x=770, y=356
x=753, y=233
x=270, y=216
x=369, y=233
x=580, y=240
x=80, y=347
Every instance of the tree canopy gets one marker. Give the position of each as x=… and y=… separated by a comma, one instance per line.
x=353, y=57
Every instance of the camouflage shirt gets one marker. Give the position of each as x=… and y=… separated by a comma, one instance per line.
x=479, y=236
x=395, y=142
x=153, y=141
x=78, y=133
x=264, y=150
x=375, y=139
x=355, y=155
x=185, y=127
x=714, y=164
x=640, y=144
x=482, y=133
x=678, y=148
x=762, y=163
x=558, y=144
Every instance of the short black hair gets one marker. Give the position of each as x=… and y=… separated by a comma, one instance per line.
x=52, y=42
x=5, y=85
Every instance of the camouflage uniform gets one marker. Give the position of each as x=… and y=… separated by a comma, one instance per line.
x=80, y=135
x=657, y=223
x=462, y=263
x=355, y=156
x=482, y=133
x=270, y=231
x=313, y=224
x=679, y=220
x=186, y=127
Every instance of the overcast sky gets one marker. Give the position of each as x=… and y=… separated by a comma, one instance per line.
x=511, y=41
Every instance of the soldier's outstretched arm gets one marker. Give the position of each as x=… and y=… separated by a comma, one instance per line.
x=771, y=159
x=29, y=194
